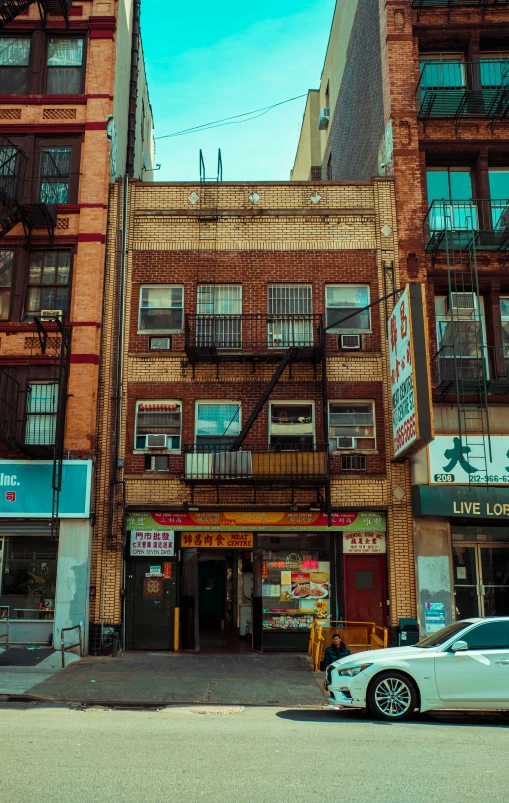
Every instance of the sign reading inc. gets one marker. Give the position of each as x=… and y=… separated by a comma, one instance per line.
x=26, y=489
x=409, y=372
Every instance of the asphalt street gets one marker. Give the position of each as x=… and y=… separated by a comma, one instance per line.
x=186, y=754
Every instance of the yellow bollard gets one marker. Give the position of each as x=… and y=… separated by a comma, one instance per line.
x=176, y=630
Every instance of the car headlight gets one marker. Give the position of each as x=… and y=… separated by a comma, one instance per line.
x=351, y=671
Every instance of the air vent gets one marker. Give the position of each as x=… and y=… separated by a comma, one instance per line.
x=324, y=119
x=156, y=462
x=353, y=462
x=350, y=342
x=156, y=441
x=51, y=314
x=160, y=343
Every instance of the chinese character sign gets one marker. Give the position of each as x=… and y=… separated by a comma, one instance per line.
x=364, y=543
x=150, y=543
x=402, y=375
x=464, y=461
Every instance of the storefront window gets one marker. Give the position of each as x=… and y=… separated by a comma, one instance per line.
x=28, y=577
x=296, y=581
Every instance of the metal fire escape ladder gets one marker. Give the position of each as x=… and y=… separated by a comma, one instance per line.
x=287, y=357
x=58, y=448
x=10, y=9
x=469, y=353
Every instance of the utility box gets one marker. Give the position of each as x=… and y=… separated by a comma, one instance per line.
x=408, y=632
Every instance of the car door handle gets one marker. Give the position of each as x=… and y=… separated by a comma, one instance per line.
x=501, y=662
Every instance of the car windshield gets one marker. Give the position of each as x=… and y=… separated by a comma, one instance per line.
x=441, y=636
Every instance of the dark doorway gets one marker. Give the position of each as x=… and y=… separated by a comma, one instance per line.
x=151, y=597
x=365, y=595
x=212, y=594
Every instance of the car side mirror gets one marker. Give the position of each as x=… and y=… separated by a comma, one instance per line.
x=459, y=646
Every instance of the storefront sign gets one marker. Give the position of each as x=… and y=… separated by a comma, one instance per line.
x=409, y=370
x=470, y=503
x=434, y=615
x=258, y=521
x=364, y=543
x=167, y=570
x=150, y=543
x=26, y=489
x=454, y=461
x=218, y=540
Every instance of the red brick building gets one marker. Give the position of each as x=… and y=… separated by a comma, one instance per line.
x=419, y=90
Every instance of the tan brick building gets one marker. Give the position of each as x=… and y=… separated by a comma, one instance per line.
x=418, y=89
x=253, y=423
x=68, y=128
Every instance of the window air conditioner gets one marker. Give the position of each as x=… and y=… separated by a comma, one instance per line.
x=324, y=119
x=345, y=443
x=462, y=303
x=160, y=343
x=51, y=314
x=156, y=441
x=350, y=341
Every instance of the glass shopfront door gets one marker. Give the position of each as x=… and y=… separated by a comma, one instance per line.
x=481, y=579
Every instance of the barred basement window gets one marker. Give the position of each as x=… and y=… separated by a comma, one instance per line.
x=353, y=462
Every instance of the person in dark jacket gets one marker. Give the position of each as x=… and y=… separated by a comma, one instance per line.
x=337, y=650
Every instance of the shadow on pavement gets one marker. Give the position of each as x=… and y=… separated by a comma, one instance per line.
x=481, y=719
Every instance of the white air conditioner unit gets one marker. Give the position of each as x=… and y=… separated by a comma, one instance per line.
x=324, y=119
x=51, y=314
x=156, y=441
x=350, y=341
x=462, y=303
x=160, y=343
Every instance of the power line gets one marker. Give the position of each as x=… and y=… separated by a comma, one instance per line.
x=252, y=115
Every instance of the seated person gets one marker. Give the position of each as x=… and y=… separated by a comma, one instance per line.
x=337, y=650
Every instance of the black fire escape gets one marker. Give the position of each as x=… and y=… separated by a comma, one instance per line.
x=15, y=206
x=450, y=5
x=9, y=9
x=282, y=341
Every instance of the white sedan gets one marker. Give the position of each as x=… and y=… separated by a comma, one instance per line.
x=463, y=666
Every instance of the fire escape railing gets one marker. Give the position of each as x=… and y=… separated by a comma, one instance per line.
x=10, y=9
x=14, y=207
x=451, y=4
x=476, y=365
x=461, y=224
x=459, y=90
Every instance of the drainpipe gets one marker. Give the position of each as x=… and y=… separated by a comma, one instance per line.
x=133, y=88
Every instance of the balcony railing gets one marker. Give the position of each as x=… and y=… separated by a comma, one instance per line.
x=10, y=9
x=450, y=4
x=242, y=337
x=456, y=225
x=257, y=464
x=468, y=373
x=457, y=90
x=14, y=207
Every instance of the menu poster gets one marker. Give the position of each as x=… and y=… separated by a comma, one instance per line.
x=322, y=609
x=286, y=587
x=271, y=590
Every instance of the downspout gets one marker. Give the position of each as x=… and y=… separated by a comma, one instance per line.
x=133, y=88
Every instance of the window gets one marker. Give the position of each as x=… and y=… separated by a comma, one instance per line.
x=489, y=636
x=65, y=59
x=499, y=197
x=451, y=184
x=217, y=424
x=161, y=309
x=341, y=300
x=494, y=70
x=291, y=425
x=55, y=175
x=157, y=462
x=290, y=308
x=219, y=309
x=6, y=266
x=28, y=576
x=504, y=314
x=48, y=282
x=462, y=335
x=14, y=59
x=41, y=413
x=352, y=425
x=442, y=73
x=158, y=425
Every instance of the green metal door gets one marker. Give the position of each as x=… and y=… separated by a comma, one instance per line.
x=151, y=599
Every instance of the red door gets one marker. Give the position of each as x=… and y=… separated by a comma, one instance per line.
x=365, y=595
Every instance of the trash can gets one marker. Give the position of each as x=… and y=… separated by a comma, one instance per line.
x=408, y=632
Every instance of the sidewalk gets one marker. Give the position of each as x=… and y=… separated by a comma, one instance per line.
x=22, y=668
x=165, y=678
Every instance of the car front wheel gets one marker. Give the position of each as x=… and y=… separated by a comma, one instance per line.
x=392, y=696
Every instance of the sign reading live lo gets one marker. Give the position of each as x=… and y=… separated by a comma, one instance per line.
x=256, y=521
x=409, y=372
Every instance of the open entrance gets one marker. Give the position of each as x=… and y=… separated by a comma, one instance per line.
x=216, y=601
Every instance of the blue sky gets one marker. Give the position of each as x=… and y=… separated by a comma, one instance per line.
x=209, y=60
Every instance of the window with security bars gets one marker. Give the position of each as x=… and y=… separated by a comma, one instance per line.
x=54, y=175
x=217, y=424
x=351, y=425
x=14, y=61
x=219, y=311
x=158, y=425
x=41, y=413
x=290, y=308
x=291, y=425
x=64, y=66
x=48, y=284
x=6, y=267
x=161, y=309
x=342, y=301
